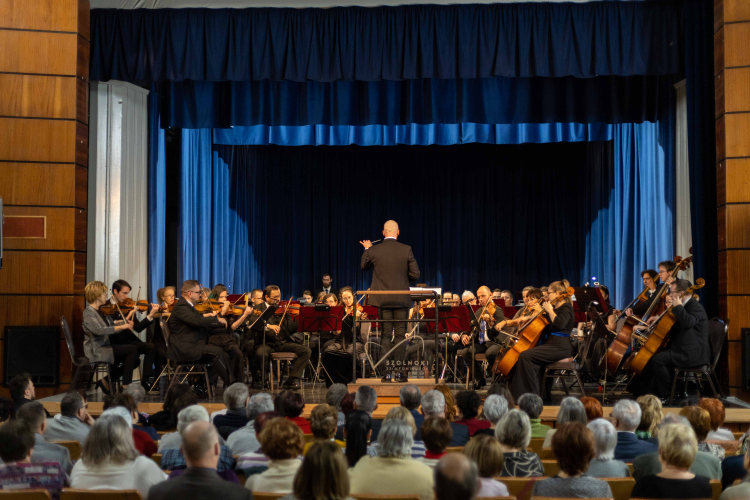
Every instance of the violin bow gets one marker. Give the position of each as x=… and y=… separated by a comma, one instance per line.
x=117, y=305
x=286, y=308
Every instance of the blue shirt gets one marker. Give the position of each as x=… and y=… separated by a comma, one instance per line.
x=173, y=460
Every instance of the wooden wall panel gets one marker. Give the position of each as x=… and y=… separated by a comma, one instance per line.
x=737, y=135
x=738, y=220
x=81, y=187
x=719, y=51
x=82, y=144
x=45, y=15
x=79, y=241
x=29, y=140
x=82, y=101
x=736, y=10
x=38, y=52
x=736, y=43
x=38, y=96
x=58, y=223
x=26, y=272
x=719, y=95
x=738, y=312
x=721, y=143
x=738, y=264
x=82, y=60
x=738, y=180
x=737, y=94
x=38, y=184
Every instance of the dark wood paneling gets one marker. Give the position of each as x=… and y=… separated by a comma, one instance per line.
x=38, y=184
x=38, y=52
x=28, y=272
x=82, y=65
x=80, y=230
x=738, y=180
x=736, y=43
x=721, y=216
x=734, y=363
x=82, y=144
x=719, y=95
x=722, y=277
x=79, y=277
x=29, y=140
x=81, y=187
x=37, y=96
x=82, y=101
x=738, y=313
x=737, y=83
x=738, y=134
x=738, y=269
x=738, y=229
x=59, y=235
x=736, y=10
x=721, y=184
x=719, y=51
x=718, y=14
x=84, y=19
x=47, y=15
x=721, y=142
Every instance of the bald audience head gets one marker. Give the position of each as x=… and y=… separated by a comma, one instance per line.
x=200, y=445
x=390, y=228
x=456, y=477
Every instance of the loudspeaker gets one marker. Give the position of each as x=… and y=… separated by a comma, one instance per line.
x=34, y=350
x=745, y=337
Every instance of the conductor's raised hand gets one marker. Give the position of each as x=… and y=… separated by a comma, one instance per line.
x=366, y=243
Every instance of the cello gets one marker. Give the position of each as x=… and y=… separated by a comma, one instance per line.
x=658, y=333
x=528, y=337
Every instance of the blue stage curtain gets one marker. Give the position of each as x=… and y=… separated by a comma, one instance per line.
x=606, y=99
x=414, y=135
x=388, y=43
x=157, y=198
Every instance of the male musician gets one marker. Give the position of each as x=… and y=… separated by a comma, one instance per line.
x=497, y=293
x=394, y=266
x=488, y=341
x=689, y=344
x=278, y=338
x=649, y=281
x=248, y=337
x=447, y=298
x=327, y=286
x=507, y=296
x=468, y=298
x=189, y=332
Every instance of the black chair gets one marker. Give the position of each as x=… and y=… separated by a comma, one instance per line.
x=562, y=368
x=84, y=368
x=717, y=334
x=185, y=368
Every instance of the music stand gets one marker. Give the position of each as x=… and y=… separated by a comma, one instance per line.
x=270, y=310
x=586, y=295
x=320, y=318
x=451, y=319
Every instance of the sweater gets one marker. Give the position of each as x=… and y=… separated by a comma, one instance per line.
x=279, y=477
x=391, y=476
x=140, y=474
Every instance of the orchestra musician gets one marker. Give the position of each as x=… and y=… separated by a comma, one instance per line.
x=527, y=374
x=337, y=352
x=327, y=287
x=468, y=298
x=223, y=336
x=649, y=281
x=424, y=344
x=489, y=340
x=255, y=298
x=394, y=266
x=522, y=315
x=278, y=331
x=456, y=300
x=165, y=297
x=497, y=294
x=507, y=296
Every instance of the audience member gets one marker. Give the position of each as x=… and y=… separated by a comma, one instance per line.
x=742, y=490
x=401, y=413
x=605, y=439
x=74, y=422
x=677, y=449
x=7, y=409
x=700, y=421
x=143, y=441
x=436, y=436
x=322, y=475
x=165, y=420
x=201, y=448
x=715, y=409
x=17, y=440
x=334, y=395
x=109, y=459
x=33, y=414
x=486, y=452
x=236, y=397
x=173, y=458
x=514, y=434
x=173, y=440
x=392, y=472
x=532, y=405
x=323, y=420
x=138, y=393
x=571, y=410
x=450, y=403
x=434, y=406
x=456, y=477
x=282, y=441
x=358, y=432
x=627, y=415
x=411, y=398
x=347, y=403
x=245, y=440
x=592, y=407
x=256, y=462
x=651, y=416
x=22, y=391
x=468, y=403
x=495, y=407
x=573, y=446
x=500, y=388
x=366, y=399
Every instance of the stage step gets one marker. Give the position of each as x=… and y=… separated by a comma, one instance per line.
x=391, y=389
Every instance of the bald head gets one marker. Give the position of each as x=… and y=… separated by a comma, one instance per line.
x=456, y=477
x=200, y=445
x=390, y=228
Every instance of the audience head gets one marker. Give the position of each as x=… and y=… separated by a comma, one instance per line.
x=110, y=441
x=335, y=394
x=677, y=445
x=181, y=403
x=292, y=404
x=200, y=444
x=699, y=420
x=456, y=477
x=16, y=442
x=137, y=392
x=715, y=410
x=573, y=446
x=495, y=407
x=323, y=474
x=410, y=396
x=323, y=421
x=395, y=439
x=281, y=439
x=21, y=387
x=501, y=389
x=433, y=404
x=357, y=431
x=627, y=415
x=347, y=404
x=366, y=399
x=261, y=419
x=514, y=430
x=401, y=413
x=259, y=403
x=173, y=393
x=450, y=401
x=651, y=413
x=437, y=434
x=592, y=407
x=468, y=404
x=73, y=405
x=193, y=413
x=124, y=401
x=605, y=438
x=487, y=453
x=671, y=418
x=33, y=414
x=7, y=409
x=571, y=410
x=236, y=395
x=531, y=404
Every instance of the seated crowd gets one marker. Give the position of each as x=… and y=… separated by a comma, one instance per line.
x=432, y=445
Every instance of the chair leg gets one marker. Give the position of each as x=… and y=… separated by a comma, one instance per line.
x=580, y=382
x=75, y=380
x=565, y=386
x=175, y=377
x=278, y=371
x=674, y=385
x=208, y=385
x=711, y=383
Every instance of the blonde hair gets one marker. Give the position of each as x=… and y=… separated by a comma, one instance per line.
x=450, y=402
x=94, y=290
x=323, y=421
x=678, y=445
x=651, y=413
x=323, y=474
x=161, y=291
x=487, y=453
x=560, y=287
x=401, y=413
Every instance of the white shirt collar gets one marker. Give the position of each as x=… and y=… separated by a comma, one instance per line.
x=191, y=304
x=390, y=238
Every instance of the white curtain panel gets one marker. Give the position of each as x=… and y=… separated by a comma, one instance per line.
x=683, y=233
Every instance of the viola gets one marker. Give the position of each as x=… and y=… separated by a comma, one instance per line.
x=209, y=306
x=240, y=310
x=285, y=306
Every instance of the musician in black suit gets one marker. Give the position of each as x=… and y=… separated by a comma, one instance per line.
x=393, y=266
x=489, y=341
x=278, y=338
x=689, y=345
x=664, y=274
x=327, y=286
x=189, y=330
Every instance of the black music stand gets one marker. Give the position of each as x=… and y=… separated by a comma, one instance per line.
x=586, y=295
x=270, y=310
x=451, y=319
x=320, y=318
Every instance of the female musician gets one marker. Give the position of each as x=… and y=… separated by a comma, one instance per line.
x=337, y=353
x=224, y=337
x=424, y=345
x=527, y=374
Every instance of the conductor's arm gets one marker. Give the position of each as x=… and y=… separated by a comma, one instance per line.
x=413, y=268
x=366, y=262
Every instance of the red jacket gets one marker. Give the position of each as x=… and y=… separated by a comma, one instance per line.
x=474, y=424
x=144, y=443
x=302, y=424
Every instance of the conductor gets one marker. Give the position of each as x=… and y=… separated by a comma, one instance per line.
x=393, y=267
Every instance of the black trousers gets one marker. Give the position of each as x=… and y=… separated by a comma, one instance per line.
x=302, y=352
x=128, y=355
x=661, y=373
x=126, y=351
x=337, y=362
x=235, y=357
x=397, y=331
x=529, y=370
x=219, y=363
x=490, y=349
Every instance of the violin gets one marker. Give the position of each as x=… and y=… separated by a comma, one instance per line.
x=240, y=310
x=125, y=307
x=422, y=308
x=360, y=311
x=208, y=306
x=287, y=306
x=165, y=310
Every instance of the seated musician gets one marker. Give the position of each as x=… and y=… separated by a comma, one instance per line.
x=529, y=369
x=497, y=294
x=489, y=341
x=165, y=297
x=456, y=300
x=255, y=298
x=188, y=340
x=531, y=297
x=447, y=298
x=422, y=348
x=507, y=296
x=223, y=336
x=322, y=340
x=278, y=338
x=649, y=281
x=337, y=353
x=468, y=298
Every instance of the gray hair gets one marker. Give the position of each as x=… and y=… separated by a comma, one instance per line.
x=531, y=404
x=467, y=295
x=495, y=407
x=137, y=391
x=259, y=403
x=110, y=441
x=235, y=396
x=433, y=403
x=366, y=399
x=335, y=394
x=671, y=418
x=514, y=429
x=628, y=414
x=571, y=410
x=71, y=403
x=410, y=396
x=395, y=439
x=605, y=438
x=192, y=413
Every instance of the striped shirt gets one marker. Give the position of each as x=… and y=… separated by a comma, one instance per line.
x=44, y=475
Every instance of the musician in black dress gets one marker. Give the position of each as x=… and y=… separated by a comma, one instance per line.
x=337, y=351
x=650, y=281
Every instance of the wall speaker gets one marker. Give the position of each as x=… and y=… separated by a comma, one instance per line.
x=34, y=350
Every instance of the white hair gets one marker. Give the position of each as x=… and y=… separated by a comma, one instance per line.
x=495, y=408
x=235, y=396
x=192, y=413
x=571, y=410
x=628, y=414
x=467, y=295
x=433, y=403
x=605, y=438
x=259, y=403
x=395, y=439
x=514, y=429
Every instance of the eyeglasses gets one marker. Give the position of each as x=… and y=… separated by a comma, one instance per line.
x=195, y=291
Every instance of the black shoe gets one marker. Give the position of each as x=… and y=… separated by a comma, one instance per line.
x=386, y=378
x=292, y=383
x=200, y=391
x=478, y=384
x=100, y=385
